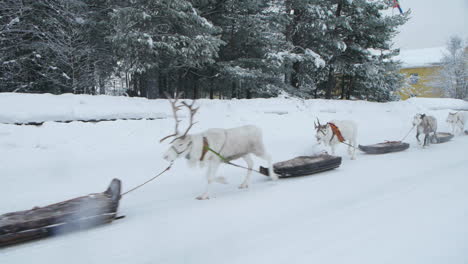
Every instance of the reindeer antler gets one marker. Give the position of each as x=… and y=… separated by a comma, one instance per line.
x=317, y=126
x=175, y=108
x=193, y=111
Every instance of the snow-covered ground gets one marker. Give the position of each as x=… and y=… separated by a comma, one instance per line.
x=24, y=108
x=407, y=207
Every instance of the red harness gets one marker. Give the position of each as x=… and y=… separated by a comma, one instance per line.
x=336, y=132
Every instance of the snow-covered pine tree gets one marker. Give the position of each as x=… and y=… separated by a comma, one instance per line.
x=313, y=30
x=46, y=47
x=31, y=39
x=377, y=79
x=97, y=28
x=367, y=60
x=251, y=30
x=342, y=33
x=159, y=41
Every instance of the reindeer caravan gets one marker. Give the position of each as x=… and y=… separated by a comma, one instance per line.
x=214, y=147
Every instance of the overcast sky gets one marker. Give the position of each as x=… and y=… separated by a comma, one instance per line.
x=432, y=23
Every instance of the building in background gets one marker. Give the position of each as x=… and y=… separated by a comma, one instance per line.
x=420, y=67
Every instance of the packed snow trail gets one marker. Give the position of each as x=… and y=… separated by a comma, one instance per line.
x=406, y=207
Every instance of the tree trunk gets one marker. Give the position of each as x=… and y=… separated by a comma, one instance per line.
x=350, y=87
x=249, y=94
x=330, y=83
x=196, y=88
x=233, y=90
x=152, y=85
x=343, y=87
x=294, y=75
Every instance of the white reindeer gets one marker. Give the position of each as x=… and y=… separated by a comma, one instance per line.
x=328, y=135
x=425, y=125
x=457, y=121
x=213, y=145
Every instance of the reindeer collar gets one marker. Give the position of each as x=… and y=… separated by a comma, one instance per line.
x=205, y=149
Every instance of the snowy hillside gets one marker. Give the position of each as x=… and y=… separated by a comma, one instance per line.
x=407, y=207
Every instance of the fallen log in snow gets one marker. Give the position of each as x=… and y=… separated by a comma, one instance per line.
x=71, y=215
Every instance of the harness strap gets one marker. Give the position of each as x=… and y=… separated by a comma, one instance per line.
x=336, y=131
x=205, y=149
x=460, y=120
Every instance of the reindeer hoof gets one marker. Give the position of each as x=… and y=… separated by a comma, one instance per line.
x=203, y=197
x=244, y=186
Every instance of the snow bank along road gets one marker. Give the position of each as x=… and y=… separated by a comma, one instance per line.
x=407, y=207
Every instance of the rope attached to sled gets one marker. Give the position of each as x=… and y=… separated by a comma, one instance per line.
x=161, y=173
x=207, y=148
x=408, y=133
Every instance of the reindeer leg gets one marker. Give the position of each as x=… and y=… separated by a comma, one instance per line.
x=426, y=140
x=332, y=147
x=352, y=149
x=417, y=137
x=267, y=158
x=212, y=168
x=249, y=162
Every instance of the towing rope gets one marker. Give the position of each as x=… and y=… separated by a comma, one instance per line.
x=408, y=133
x=207, y=148
x=138, y=186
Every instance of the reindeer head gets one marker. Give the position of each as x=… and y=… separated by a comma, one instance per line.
x=418, y=118
x=451, y=118
x=182, y=142
x=321, y=131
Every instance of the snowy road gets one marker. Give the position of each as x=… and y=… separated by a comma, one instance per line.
x=408, y=207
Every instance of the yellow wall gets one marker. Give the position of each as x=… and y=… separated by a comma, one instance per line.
x=421, y=87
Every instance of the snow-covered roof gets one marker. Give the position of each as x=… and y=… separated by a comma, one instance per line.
x=421, y=57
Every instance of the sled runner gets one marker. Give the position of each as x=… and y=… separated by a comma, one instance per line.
x=71, y=215
x=385, y=147
x=304, y=165
x=441, y=137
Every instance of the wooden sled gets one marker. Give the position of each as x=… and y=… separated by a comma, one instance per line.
x=441, y=137
x=385, y=147
x=304, y=165
x=71, y=215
